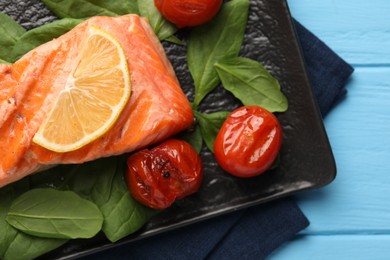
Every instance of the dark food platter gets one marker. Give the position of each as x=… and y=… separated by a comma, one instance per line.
x=306, y=159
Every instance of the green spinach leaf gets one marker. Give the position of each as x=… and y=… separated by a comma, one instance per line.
x=194, y=138
x=221, y=38
x=162, y=27
x=123, y=215
x=15, y=244
x=46, y=213
x=120, y=7
x=7, y=195
x=40, y=35
x=24, y=246
x=89, y=8
x=250, y=82
x=102, y=182
x=4, y=62
x=210, y=125
x=10, y=32
x=92, y=179
x=174, y=39
x=83, y=9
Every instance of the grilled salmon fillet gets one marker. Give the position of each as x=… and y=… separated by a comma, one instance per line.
x=156, y=110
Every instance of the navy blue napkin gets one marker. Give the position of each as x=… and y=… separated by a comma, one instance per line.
x=327, y=72
x=255, y=232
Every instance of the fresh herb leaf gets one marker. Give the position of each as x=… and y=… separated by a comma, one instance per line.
x=123, y=215
x=174, y=39
x=40, y=35
x=24, y=246
x=105, y=171
x=92, y=179
x=7, y=195
x=251, y=83
x=4, y=62
x=162, y=27
x=210, y=124
x=10, y=32
x=89, y=8
x=194, y=138
x=79, y=8
x=120, y=7
x=221, y=38
x=15, y=244
x=46, y=213
x=101, y=181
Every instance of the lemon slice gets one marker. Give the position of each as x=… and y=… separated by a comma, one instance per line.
x=95, y=93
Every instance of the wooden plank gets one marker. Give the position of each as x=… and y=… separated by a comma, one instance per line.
x=359, y=132
x=350, y=218
x=357, y=30
x=335, y=247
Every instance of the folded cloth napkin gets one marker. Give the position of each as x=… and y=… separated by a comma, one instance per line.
x=255, y=232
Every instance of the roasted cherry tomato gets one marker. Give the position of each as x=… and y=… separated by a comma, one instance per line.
x=169, y=171
x=185, y=13
x=248, y=141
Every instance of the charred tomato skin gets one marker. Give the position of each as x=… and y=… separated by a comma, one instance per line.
x=159, y=176
x=185, y=13
x=248, y=142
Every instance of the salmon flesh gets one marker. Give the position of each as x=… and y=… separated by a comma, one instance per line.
x=156, y=110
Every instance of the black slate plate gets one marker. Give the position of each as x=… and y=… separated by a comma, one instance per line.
x=306, y=157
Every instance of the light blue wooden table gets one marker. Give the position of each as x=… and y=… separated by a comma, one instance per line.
x=350, y=218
